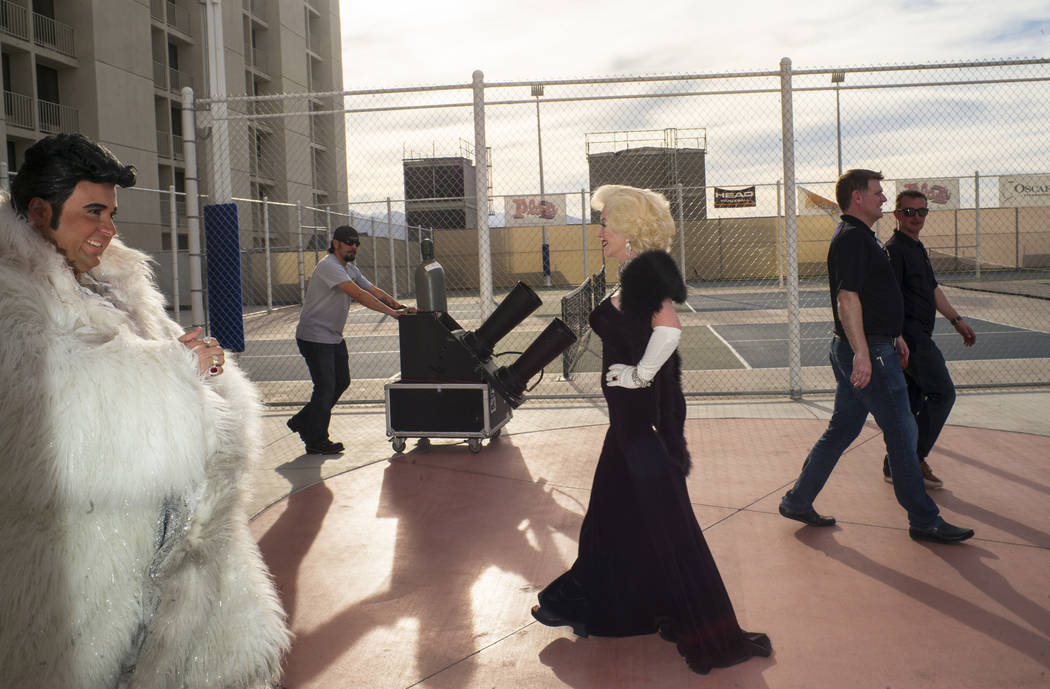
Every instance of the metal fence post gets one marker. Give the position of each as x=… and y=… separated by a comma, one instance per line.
x=375, y=249
x=481, y=182
x=393, y=259
x=790, y=222
x=193, y=218
x=408, y=264
x=266, y=248
x=977, y=222
x=780, y=241
x=583, y=230
x=173, y=215
x=302, y=264
x=681, y=228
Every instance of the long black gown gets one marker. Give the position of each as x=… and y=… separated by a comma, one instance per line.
x=643, y=564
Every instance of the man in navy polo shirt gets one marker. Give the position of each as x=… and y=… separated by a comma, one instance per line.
x=930, y=388
x=866, y=356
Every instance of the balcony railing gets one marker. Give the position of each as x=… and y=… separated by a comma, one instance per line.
x=313, y=42
x=176, y=141
x=55, y=118
x=165, y=210
x=18, y=109
x=163, y=144
x=158, y=75
x=256, y=9
x=156, y=9
x=49, y=33
x=14, y=20
x=177, y=79
x=179, y=18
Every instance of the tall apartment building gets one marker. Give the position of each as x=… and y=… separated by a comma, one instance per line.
x=114, y=70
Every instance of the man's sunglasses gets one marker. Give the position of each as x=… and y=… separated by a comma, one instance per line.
x=357, y=242
x=909, y=212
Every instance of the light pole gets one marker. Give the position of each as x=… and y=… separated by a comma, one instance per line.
x=537, y=91
x=837, y=78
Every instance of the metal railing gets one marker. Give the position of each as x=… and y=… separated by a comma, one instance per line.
x=18, y=109
x=14, y=20
x=49, y=33
x=258, y=59
x=178, y=17
x=163, y=144
x=158, y=74
x=56, y=118
x=177, y=79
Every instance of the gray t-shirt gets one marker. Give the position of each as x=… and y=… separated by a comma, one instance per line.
x=324, y=311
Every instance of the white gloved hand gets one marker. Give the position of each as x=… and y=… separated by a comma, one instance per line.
x=662, y=344
x=623, y=376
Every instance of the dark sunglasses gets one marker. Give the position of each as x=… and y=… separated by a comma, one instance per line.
x=352, y=242
x=909, y=212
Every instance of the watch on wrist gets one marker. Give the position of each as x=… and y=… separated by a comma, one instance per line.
x=955, y=320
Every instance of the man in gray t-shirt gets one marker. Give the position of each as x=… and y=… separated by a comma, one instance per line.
x=319, y=335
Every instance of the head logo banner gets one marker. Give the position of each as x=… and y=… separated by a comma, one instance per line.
x=941, y=193
x=1024, y=191
x=735, y=198
x=534, y=210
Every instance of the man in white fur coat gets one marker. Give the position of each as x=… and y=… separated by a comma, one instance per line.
x=125, y=556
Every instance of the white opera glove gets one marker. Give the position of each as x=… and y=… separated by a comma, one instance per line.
x=662, y=344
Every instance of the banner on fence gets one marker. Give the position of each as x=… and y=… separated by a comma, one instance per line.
x=548, y=209
x=812, y=203
x=942, y=193
x=1024, y=191
x=735, y=198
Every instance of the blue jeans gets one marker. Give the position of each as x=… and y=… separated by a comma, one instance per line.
x=329, y=366
x=886, y=398
x=931, y=392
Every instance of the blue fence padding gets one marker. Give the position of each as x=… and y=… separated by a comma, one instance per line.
x=225, y=299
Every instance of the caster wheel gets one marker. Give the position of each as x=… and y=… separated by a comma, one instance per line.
x=423, y=443
x=399, y=444
x=474, y=444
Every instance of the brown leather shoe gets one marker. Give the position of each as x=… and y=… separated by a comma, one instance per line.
x=928, y=477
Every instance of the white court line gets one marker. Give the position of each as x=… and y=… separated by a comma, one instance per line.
x=282, y=356
x=730, y=347
x=1019, y=331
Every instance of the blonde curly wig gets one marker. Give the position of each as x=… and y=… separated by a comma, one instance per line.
x=641, y=215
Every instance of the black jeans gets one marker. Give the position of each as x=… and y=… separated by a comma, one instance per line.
x=329, y=366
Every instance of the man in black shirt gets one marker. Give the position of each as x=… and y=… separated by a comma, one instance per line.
x=867, y=354
x=930, y=388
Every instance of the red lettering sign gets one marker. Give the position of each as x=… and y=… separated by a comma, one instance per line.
x=936, y=193
x=547, y=210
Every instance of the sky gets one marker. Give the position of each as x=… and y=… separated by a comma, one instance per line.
x=389, y=45
x=414, y=42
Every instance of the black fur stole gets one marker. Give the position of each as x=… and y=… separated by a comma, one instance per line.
x=647, y=280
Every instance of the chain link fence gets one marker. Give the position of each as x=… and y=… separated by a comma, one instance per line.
x=499, y=176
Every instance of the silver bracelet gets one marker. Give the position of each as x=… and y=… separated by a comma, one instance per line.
x=638, y=380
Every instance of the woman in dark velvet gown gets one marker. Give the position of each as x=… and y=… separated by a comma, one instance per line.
x=643, y=564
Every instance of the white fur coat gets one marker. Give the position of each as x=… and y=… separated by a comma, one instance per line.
x=103, y=417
